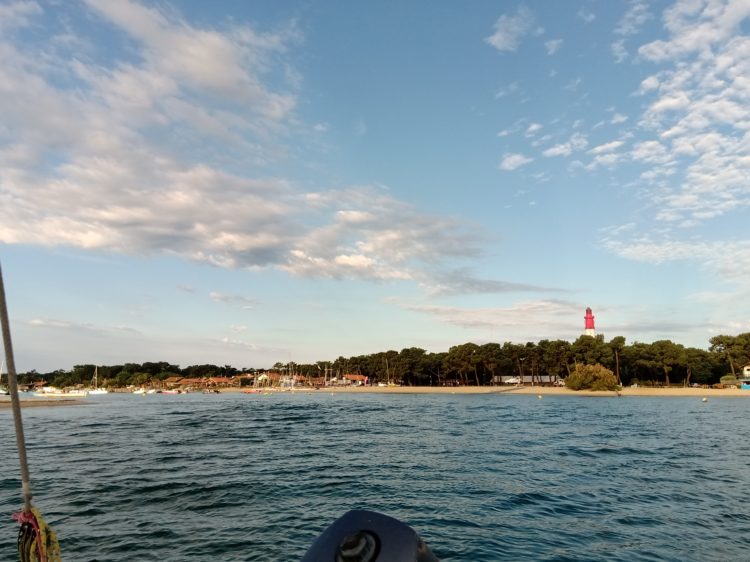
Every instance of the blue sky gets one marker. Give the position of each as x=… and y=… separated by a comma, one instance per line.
x=250, y=182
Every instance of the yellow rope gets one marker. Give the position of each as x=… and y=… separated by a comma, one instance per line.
x=49, y=539
x=37, y=542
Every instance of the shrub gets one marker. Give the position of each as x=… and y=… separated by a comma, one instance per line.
x=591, y=377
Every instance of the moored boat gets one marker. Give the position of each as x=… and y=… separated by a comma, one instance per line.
x=95, y=383
x=53, y=392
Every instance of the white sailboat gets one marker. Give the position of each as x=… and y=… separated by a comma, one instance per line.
x=96, y=390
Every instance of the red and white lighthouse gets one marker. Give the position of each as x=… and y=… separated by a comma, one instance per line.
x=589, y=326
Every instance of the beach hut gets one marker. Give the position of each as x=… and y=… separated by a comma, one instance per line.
x=745, y=380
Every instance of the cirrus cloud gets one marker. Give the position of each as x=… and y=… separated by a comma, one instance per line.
x=510, y=29
x=511, y=161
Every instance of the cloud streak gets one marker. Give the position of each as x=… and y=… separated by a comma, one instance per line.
x=238, y=301
x=522, y=319
x=120, y=163
x=511, y=161
x=510, y=29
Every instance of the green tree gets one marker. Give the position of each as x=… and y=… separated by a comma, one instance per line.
x=699, y=366
x=491, y=355
x=735, y=350
x=617, y=344
x=463, y=360
x=667, y=355
x=514, y=357
x=591, y=350
x=554, y=357
x=591, y=377
x=411, y=364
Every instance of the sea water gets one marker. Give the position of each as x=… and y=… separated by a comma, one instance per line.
x=479, y=477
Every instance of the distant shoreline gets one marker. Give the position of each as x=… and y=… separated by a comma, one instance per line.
x=674, y=392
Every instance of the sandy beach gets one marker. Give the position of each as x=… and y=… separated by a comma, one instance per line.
x=535, y=390
x=640, y=391
x=698, y=393
x=41, y=402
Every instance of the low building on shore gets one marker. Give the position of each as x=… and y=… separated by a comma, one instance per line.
x=535, y=380
x=172, y=382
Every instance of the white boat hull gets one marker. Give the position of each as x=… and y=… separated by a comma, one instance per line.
x=61, y=394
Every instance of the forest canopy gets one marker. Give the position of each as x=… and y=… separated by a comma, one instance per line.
x=662, y=362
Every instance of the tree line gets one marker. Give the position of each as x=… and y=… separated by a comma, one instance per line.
x=662, y=362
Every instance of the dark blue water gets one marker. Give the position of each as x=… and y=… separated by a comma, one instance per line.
x=482, y=477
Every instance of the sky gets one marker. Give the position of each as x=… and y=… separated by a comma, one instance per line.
x=242, y=183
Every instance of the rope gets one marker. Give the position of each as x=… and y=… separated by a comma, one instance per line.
x=36, y=541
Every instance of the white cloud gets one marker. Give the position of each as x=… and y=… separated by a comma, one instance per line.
x=354, y=217
x=650, y=83
x=462, y=281
x=553, y=46
x=376, y=237
x=510, y=29
x=618, y=118
x=512, y=88
x=576, y=142
x=606, y=147
x=729, y=258
x=88, y=167
x=81, y=327
x=523, y=318
x=558, y=150
x=692, y=136
x=226, y=64
x=634, y=18
x=18, y=14
x=585, y=15
x=234, y=300
x=696, y=27
x=513, y=161
x=541, y=140
x=651, y=152
x=532, y=129
x=357, y=261
x=670, y=102
x=619, y=51
x=630, y=24
x=572, y=85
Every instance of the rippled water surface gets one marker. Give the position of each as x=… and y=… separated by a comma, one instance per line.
x=480, y=477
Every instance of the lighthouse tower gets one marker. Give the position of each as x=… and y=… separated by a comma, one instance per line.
x=589, y=318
